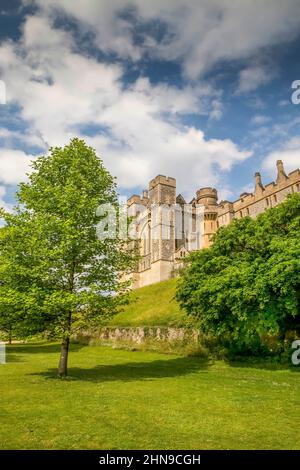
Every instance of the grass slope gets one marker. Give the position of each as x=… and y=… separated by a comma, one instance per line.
x=152, y=305
x=118, y=399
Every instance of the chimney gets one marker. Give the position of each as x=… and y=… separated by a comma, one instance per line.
x=145, y=194
x=281, y=176
x=258, y=184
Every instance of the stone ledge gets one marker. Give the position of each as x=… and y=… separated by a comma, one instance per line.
x=139, y=335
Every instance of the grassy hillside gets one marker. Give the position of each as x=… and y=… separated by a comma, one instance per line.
x=153, y=305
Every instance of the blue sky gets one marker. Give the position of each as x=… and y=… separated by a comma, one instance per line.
x=197, y=90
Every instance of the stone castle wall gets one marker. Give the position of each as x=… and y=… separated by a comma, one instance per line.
x=264, y=197
x=160, y=255
x=163, y=339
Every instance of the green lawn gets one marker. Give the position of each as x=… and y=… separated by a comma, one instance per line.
x=119, y=399
x=152, y=305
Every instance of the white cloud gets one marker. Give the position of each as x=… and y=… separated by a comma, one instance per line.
x=260, y=119
x=253, y=77
x=289, y=153
x=216, y=109
x=9, y=137
x=14, y=164
x=283, y=103
x=200, y=34
x=3, y=204
x=60, y=92
x=112, y=32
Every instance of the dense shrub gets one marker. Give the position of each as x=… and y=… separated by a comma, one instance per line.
x=245, y=288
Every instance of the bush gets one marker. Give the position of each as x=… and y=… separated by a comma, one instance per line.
x=246, y=287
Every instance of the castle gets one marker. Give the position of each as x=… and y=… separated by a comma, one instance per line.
x=167, y=228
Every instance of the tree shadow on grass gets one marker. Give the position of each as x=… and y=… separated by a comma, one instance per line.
x=263, y=364
x=12, y=357
x=40, y=348
x=132, y=371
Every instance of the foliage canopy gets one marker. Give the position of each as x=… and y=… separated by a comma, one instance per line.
x=247, y=284
x=58, y=272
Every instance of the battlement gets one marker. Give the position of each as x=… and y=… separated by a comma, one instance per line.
x=294, y=175
x=135, y=199
x=207, y=190
x=161, y=179
x=225, y=203
x=225, y=206
x=243, y=195
x=207, y=196
x=270, y=186
x=269, y=195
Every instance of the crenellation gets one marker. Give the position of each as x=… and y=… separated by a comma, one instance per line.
x=134, y=199
x=136, y=205
x=270, y=186
x=166, y=236
x=294, y=174
x=161, y=179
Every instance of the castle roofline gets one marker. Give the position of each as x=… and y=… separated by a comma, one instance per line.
x=208, y=188
x=135, y=199
x=162, y=179
x=180, y=199
x=262, y=191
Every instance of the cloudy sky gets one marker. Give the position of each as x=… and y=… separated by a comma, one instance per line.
x=195, y=89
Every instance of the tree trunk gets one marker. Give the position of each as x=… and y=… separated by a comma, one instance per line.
x=63, y=361
x=64, y=352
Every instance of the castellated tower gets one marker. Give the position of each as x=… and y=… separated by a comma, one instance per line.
x=154, y=214
x=167, y=228
x=207, y=199
x=162, y=198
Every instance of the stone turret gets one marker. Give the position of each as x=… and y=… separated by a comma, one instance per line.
x=207, y=215
x=259, y=188
x=207, y=196
x=281, y=175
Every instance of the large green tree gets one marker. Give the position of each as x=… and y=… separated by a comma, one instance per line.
x=50, y=251
x=247, y=285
